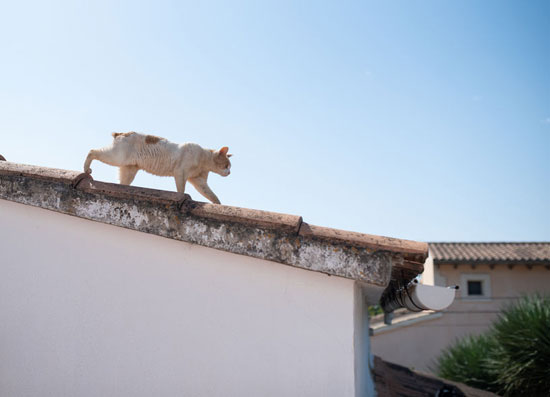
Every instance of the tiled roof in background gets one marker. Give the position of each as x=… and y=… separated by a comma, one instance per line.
x=490, y=252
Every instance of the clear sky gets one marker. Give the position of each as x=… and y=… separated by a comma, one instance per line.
x=426, y=120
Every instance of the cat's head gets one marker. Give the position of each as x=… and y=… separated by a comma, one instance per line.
x=221, y=162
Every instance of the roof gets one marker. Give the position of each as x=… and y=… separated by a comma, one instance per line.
x=393, y=380
x=509, y=253
x=281, y=238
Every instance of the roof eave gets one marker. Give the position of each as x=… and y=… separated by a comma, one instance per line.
x=266, y=235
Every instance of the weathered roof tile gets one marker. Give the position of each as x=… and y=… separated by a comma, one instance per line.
x=52, y=174
x=409, y=249
x=257, y=218
x=89, y=185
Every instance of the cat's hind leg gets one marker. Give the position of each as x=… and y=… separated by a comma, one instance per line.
x=109, y=155
x=127, y=174
x=181, y=179
x=91, y=156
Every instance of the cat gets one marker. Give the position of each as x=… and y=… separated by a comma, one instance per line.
x=131, y=152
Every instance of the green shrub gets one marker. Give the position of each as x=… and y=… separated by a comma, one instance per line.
x=374, y=310
x=465, y=362
x=512, y=358
x=521, y=361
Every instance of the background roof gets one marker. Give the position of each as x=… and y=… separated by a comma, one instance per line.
x=490, y=252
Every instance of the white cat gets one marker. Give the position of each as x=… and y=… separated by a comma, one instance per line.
x=185, y=162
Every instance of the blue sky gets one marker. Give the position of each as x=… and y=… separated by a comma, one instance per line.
x=426, y=120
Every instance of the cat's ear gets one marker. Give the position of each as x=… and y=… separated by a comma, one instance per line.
x=224, y=150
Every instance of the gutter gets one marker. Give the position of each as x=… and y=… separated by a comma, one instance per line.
x=416, y=297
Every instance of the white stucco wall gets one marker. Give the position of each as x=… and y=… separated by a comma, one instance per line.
x=88, y=309
x=364, y=385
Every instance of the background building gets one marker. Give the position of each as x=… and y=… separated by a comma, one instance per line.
x=490, y=276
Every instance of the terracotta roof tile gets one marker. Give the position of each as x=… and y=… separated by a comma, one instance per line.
x=52, y=174
x=410, y=249
x=88, y=185
x=507, y=252
x=264, y=219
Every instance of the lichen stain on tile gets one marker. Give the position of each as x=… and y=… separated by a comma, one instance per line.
x=136, y=216
x=93, y=210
